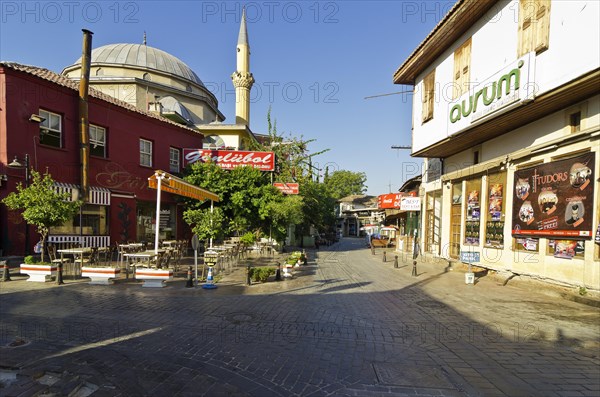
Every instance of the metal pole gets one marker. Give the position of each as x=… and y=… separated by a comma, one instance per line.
x=196, y=266
x=211, y=221
x=159, y=178
x=26, y=185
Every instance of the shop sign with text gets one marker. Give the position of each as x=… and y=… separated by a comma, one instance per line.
x=410, y=204
x=511, y=86
x=288, y=188
x=555, y=199
x=392, y=200
x=228, y=159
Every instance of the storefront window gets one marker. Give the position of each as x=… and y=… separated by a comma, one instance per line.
x=494, y=226
x=93, y=218
x=146, y=222
x=473, y=213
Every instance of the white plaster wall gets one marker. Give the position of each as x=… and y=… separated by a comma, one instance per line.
x=574, y=50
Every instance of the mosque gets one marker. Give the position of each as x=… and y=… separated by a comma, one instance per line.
x=153, y=80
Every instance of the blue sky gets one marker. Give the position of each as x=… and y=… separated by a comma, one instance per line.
x=314, y=63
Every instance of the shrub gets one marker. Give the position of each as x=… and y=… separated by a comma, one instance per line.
x=261, y=274
x=30, y=260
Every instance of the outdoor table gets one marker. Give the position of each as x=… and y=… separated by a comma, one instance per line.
x=169, y=242
x=75, y=252
x=147, y=255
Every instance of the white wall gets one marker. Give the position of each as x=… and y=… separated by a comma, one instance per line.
x=574, y=49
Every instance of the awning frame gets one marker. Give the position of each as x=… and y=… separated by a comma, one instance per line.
x=163, y=181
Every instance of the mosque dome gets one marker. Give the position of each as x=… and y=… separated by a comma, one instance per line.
x=139, y=56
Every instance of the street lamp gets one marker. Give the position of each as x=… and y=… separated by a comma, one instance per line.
x=17, y=164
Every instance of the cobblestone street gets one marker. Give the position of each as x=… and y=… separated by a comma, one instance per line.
x=347, y=324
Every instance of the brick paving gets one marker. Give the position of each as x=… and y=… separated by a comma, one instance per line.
x=347, y=324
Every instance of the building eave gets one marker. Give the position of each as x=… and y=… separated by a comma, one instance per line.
x=461, y=17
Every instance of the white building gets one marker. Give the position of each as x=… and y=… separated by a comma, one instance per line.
x=506, y=113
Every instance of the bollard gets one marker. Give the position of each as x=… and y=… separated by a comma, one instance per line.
x=278, y=272
x=384, y=257
x=414, y=271
x=59, y=277
x=189, y=283
x=372, y=250
x=395, y=261
x=5, y=271
x=248, y=281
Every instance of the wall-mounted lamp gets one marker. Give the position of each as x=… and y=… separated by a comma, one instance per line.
x=36, y=118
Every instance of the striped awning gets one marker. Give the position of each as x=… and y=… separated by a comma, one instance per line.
x=172, y=184
x=98, y=195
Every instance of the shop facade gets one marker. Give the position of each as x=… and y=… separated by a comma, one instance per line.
x=510, y=134
x=127, y=145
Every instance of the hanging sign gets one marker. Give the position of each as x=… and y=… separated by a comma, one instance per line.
x=288, y=187
x=410, y=204
x=555, y=199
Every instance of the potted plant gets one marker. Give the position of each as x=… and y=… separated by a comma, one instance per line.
x=42, y=207
x=37, y=271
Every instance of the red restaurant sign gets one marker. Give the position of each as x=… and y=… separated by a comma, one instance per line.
x=392, y=200
x=287, y=188
x=228, y=159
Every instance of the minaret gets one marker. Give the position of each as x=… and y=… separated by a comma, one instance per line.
x=242, y=78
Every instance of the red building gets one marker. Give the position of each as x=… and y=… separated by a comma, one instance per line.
x=126, y=146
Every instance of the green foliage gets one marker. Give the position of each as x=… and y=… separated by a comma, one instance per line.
x=207, y=224
x=343, y=183
x=41, y=205
x=248, y=239
x=294, y=257
x=582, y=291
x=261, y=274
x=30, y=260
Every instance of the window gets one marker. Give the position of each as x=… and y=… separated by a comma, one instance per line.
x=174, y=159
x=145, y=153
x=462, y=69
x=473, y=213
x=495, y=216
x=427, y=97
x=51, y=129
x=575, y=122
x=476, y=157
x=534, y=26
x=97, y=141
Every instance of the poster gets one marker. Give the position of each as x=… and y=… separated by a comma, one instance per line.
x=473, y=216
x=555, y=199
x=567, y=249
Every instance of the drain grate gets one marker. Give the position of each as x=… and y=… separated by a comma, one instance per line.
x=430, y=304
x=412, y=375
x=18, y=342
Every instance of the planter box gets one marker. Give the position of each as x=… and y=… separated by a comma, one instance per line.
x=154, y=278
x=38, y=273
x=100, y=275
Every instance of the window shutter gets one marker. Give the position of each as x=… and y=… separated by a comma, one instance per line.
x=428, y=96
x=456, y=89
x=542, y=28
x=534, y=26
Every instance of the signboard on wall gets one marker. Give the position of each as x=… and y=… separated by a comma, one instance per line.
x=555, y=199
x=393, y=200
x=410, y=204
x=228, y=159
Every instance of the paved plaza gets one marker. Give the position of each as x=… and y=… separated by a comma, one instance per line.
x=347, y=324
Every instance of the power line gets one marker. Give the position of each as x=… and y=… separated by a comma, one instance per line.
x=391, y=93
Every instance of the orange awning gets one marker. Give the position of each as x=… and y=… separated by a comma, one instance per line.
x=175, y=185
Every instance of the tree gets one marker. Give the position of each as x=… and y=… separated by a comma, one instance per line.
x=343, y=183
x=42, y=206
x=207, y=224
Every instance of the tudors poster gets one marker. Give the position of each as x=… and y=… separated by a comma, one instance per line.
x=555, y=199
